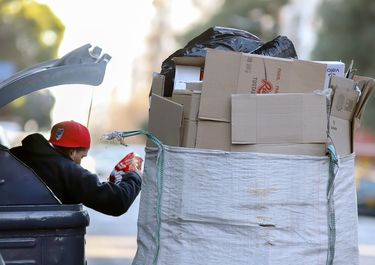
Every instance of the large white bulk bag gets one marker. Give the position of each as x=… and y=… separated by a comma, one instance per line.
x=218, y=208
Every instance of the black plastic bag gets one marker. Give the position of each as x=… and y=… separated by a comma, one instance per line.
x=281, y=47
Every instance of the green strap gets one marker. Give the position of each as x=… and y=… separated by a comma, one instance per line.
x=333, y=165
x=160, y=166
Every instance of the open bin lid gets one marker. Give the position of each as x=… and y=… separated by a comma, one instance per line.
x=80, y=66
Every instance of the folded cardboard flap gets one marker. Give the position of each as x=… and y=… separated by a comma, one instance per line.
x=228, y=73
x=157, y=86
x=345, y=97
x=189, y=61
x=219, y=82
x=343, y=106
x=213, y=135
x=165, y=120
x=190, y=100
x=189, y=133
x=340, y=134
x=279, y=118
x=367, y=85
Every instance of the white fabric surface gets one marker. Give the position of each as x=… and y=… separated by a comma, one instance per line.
x=221, y=208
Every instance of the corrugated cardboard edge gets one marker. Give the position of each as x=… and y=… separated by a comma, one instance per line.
x=165, y=120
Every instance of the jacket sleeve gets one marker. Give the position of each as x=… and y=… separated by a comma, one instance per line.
x=105, y=197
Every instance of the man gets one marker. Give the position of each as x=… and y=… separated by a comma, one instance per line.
x=57, y=163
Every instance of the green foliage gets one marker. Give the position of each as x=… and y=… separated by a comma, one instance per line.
x=259, y=17
x=29, y=32
x=347, y=33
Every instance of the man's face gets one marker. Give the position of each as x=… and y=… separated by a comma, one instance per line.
x=77, y=155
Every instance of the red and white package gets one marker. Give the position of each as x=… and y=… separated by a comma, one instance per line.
x=132, y=162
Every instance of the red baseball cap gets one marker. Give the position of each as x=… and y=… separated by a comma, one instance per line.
x=70, y=134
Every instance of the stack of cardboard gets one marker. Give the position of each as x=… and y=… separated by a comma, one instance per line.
x=240, y=102
x=268, y=207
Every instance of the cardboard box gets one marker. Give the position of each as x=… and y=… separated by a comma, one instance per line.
x=190, y=100
x=189, y=135
x=227, y=73
x=165, y=120
x=334, y=68
x=216, y=135
x=279, y=118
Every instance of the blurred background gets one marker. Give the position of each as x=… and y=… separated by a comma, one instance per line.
x=140, y=35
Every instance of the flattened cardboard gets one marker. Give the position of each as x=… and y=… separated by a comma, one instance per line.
x=343, y=107
x=344, y=98
x=367, y=85
x=227, y=73
x=278, y=75
x=219, y=82
x=340, y=134
x=216, y=135
x=213, y=135
x=157, y=86
x=279, y=118
x=189, y=60
x=189, y=133
x=190, y=100
x=165, y=120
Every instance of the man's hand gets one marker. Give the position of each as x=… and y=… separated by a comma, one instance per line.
x=115, y=177
x=130, y=163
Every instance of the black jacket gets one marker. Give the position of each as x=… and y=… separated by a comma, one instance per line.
x=73, y=184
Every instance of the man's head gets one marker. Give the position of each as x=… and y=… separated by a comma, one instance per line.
x=71, y=138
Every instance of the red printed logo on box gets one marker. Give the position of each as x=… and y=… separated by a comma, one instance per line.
x=265, y=87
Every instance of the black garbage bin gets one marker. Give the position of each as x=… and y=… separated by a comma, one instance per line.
x=43, y=234
x=35, y=228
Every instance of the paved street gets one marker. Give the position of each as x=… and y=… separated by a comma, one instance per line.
x=366, y=232
x=112, y=240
